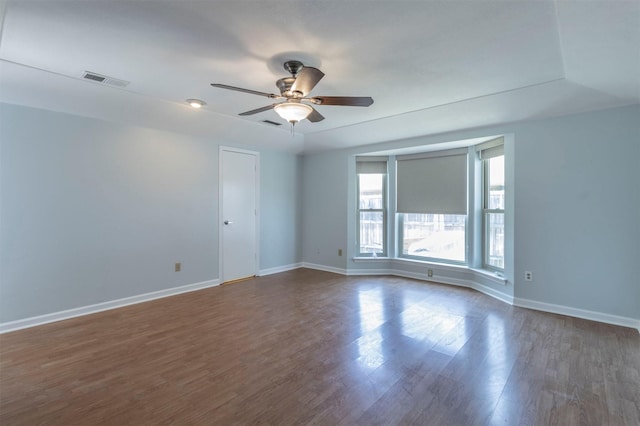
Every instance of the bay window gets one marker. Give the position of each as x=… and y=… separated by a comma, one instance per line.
x=429, y=215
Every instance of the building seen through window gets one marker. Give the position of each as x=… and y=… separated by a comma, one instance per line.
x=434, y=236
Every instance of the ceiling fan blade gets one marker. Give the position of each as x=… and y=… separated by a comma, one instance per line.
x=306, y=80
x=240, y=89
x=315, y=116
x=363, y=101
x=257, y=110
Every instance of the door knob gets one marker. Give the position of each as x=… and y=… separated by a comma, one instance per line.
x=227, y=222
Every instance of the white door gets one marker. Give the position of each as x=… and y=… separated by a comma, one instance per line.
x=238, y=214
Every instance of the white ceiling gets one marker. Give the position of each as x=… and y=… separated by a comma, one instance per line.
x=430, y=66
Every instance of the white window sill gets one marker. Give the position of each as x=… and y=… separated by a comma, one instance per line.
x=370, y=259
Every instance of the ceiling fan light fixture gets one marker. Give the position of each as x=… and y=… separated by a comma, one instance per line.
x=196, y=103
x=296, y=89
x=293, y=112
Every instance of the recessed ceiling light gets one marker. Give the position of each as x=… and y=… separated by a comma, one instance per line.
x=196, y=103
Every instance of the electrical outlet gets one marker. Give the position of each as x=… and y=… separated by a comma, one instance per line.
x=178, y=267
x=430, y=272
x=339, y=252
x=528, y=276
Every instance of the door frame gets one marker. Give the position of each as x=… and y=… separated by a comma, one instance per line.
x=256, y=154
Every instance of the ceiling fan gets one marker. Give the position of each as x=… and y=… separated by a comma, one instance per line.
x=295, y=92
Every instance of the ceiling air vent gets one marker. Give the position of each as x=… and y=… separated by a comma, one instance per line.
x=271, y=122
x=99, y=78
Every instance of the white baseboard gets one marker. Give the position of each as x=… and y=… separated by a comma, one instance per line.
x=279, y=269
x=578, y=313
x=104, y=306
x=458, y=282
x=506, y=298
x=382, y=271
x=317, y=267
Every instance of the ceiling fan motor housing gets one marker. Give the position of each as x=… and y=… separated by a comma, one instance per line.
x=284, y=84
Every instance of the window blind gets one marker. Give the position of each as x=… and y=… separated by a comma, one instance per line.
x=491, y=149
x=371, y=165
x=432, y=183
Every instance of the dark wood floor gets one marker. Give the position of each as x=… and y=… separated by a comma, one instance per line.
x=309, y=347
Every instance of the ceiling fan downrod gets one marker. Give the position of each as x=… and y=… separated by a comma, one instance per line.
x=293, y=67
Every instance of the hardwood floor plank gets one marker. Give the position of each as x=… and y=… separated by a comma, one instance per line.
x=311, y=347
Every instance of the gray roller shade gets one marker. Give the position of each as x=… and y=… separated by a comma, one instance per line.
x=432, y=183
x=371, y=165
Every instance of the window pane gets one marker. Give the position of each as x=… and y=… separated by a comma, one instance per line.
x=371, y=188
x=371, y=232
x=495, y=239
x=496, y=183
x=437, y=236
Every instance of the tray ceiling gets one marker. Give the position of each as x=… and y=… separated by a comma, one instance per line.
x=430, y=66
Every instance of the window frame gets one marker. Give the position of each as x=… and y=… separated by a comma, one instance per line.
x=486, y=211
x=383, y=210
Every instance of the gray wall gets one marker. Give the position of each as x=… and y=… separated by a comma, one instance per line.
x=578, y=211
x=93, y=211
x=577, y=204
x=280, y=209
x=324, y=209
